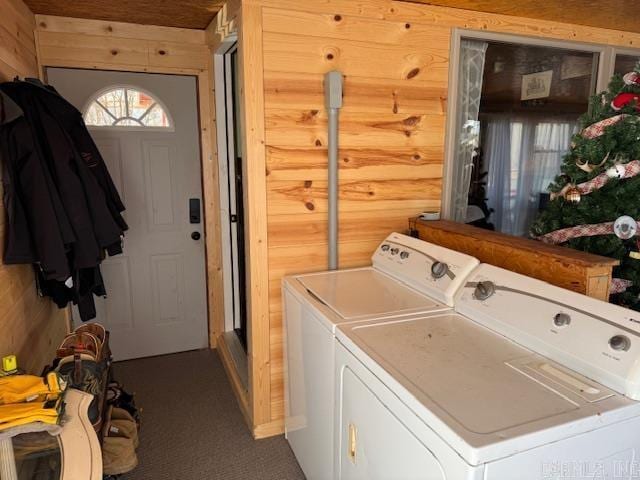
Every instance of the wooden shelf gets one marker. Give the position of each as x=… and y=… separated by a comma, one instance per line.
x=571, y=269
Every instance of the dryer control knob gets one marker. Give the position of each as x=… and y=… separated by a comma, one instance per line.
x=404, y=254
x=620, y=342
x=484, y=290
x=439, y=269
x=561, y=320
x=385, y=247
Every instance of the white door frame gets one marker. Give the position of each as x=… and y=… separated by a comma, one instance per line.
x=227, y=45
x=227, y=188
x=457, y=34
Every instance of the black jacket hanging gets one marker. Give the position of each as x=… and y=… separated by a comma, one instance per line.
x=49, y=113
x=63, y=210
x=71, y=121
x=38, y=230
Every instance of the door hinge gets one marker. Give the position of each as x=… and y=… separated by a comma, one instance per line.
x=234, y=218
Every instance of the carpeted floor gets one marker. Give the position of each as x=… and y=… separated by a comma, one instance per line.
x=192, y=427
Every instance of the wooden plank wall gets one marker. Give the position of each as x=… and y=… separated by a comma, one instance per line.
x=30, y=327
x=391, y=139
x=96, y=44
x=395, y=57
x=80, y=43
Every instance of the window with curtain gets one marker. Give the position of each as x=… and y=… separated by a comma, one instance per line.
x=517, y=107
x=523, y=156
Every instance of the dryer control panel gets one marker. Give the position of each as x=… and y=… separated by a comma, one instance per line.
x=597, y=339
x=433, y=270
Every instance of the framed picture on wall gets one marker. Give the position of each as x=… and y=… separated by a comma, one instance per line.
x=536, y=85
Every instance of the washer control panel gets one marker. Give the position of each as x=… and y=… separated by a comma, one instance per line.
x=433, y=270
x=592, y=337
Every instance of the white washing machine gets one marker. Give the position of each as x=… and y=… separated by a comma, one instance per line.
x=523, y=380
x=408, y=276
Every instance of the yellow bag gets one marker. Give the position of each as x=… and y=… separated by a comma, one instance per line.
x=15, y=414
x=29, y=388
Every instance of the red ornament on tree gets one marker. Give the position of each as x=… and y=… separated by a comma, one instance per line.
x=623, y=99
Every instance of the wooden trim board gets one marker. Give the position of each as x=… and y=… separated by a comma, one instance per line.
x=252, y=97
x=571, y=269
x=242, y=394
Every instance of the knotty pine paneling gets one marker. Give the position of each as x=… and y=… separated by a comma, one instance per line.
x=291, y=163
x=57, y=48
x=361, y=94
x=53, y=23
x=255, y=195
x=395, y=58
x=311, y=196
x=285, y=52
x=392, y=130
x=354, y=28
x=308, y=128
x=438, y=16
x=30, y=326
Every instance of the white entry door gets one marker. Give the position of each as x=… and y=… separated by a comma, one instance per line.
x=156, y=290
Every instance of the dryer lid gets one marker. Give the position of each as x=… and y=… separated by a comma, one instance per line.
x=366, y=292
x=463, y=370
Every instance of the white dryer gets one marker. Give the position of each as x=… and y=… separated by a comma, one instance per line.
x=523, y=380
x=408, y=276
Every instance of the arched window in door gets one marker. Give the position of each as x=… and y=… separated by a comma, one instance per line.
x=126, y=107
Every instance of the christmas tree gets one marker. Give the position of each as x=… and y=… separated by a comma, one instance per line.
x=595, y=201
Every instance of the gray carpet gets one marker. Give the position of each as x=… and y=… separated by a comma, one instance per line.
x=192, y=427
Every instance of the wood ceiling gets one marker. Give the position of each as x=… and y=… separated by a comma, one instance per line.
x=171, y=13
x=613, y=14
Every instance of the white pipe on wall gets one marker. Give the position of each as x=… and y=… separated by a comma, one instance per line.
x=333, y=101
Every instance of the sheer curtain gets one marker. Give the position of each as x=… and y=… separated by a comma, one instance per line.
x=523, y=156
x=472, y=55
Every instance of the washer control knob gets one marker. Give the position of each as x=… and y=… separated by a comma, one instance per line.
x=561, y=319
x=484, y=290
x=394, y=251
x=439, y=269
x=404, y=254
x=620, y=342
x=385, y=247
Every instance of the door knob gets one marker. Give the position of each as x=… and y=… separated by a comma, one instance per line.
x=195, y=235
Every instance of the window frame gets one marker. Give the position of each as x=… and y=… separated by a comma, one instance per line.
x=129, y=128
x=613, y=52
x=605, y=65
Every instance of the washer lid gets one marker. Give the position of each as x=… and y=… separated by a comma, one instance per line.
x=365, y=292
x=484, y=395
